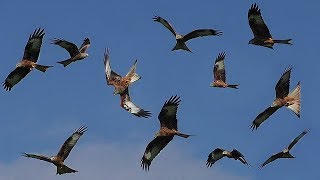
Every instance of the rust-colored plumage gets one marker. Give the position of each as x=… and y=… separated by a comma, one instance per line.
x=283, y=98
x=168, y=129
x=63, y=153
x=262, y=36
x=29, y=60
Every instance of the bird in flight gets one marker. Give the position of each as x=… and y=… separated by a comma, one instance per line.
x=262, y=36
x=219, y=73
x=76, y=53
x=283, y=98
x=168, y=129
x=120, y=83
x=29, y=60
x=286, y=152
x=182, y=39
x=219, y=153
x=128, y=105
x=58, y=160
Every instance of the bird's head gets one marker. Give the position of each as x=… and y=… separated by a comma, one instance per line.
x=86, y=55
x=178, y=36
x=275, y=103
x=156, y=134
x=117, y=91
x=212, y=84
x=252, y=41
x=19, y=64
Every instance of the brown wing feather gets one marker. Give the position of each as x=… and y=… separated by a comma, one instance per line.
x=165, y=23
x=262, y=117
x=70, y=47
x=129, y=106
x=32, y=49
x=14, y=77
x=257, y=25
x=219, y=68
x=272, y=158
x=168, y=113
x=111, y=76
x=37, y=156
x=201, y=33
x=298, y=138
x=153, y=149
x=282, y=87
x=71, y=142
x=85, y=45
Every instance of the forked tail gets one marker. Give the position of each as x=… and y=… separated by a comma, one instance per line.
x=64, y=169
x=42, y=68
x=65, y=62
x=284, y=41
x=181, y=45
x=235, y=86
x=183, y=135
x=296, y=95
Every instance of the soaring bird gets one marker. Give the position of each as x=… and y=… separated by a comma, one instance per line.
x=283, y=98
x=120, y=83
x=29, y=60
x=127, y=104
x=168, y=129
x=219, y=153
x=182, y=39
x=219, y=73
x=262, y=36
x=58, y=160
x=75, y=53
x=286, y=152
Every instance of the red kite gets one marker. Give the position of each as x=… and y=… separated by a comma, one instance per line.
x=63, y=153
x=120, y=83
x=219, y=73
x=218, y=153
x=286, y=152
x=283, y=98
x=262, y=36
x=28, y=62
x=168, y=129
x=181, y=39
x=75, y=53
x=128, y=105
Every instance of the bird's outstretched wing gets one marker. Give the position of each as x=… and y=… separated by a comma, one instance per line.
x=272, y=158
x=71, y=142
x=262, y=117
x=70, y=47
x=201, y=33
x=132, y=75
x=85, y=45
x=111, y=76
x=219, y=68
x=237, y=154
x=153, y=149
x=37, y=156
x=282, y=87
x=32, y=48
x=256, y=23
x=214, y=156
x=14, y=77
x=165, y=23
x=298, y=138
x=168, y=113
x=129, y=106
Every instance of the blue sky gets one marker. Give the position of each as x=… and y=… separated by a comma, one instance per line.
x=44, y=109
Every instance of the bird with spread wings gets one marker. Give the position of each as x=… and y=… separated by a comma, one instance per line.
x=182, y=39
x=128, y=105
x=262, y=36
x=168, y=129
x=29, y=60
x=219, y=73
x=76, y=53
x=58, y=160
x=286, y=152
x=219, y=153
x=283, y=98
x=120, y=83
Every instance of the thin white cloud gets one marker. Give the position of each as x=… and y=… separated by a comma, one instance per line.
x=117, y=162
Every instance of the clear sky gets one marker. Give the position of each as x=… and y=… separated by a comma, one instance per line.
x=44, y=109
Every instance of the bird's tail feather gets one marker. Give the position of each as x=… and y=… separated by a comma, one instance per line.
x=284, y=41
x=235, y=86
x=65, y=62
x=42, y=68
x=65, y=169
x=287, y=155
x=181, y=45
x=296, y=95
x=183, y=135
